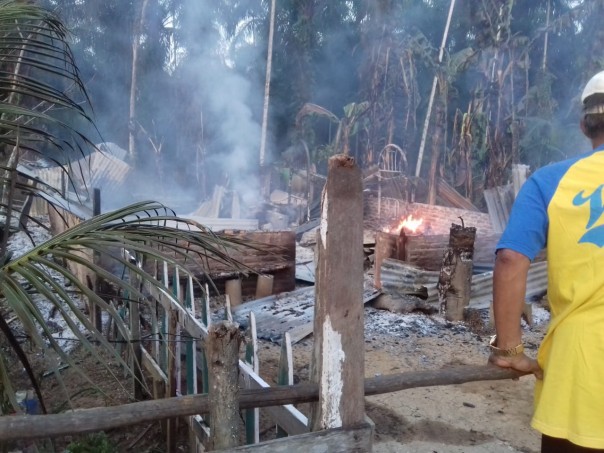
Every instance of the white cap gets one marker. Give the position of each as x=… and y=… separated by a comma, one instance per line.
x=594, y=86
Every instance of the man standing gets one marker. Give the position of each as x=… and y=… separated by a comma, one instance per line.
x=561, y=206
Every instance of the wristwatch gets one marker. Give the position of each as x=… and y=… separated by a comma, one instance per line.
x=504, y=352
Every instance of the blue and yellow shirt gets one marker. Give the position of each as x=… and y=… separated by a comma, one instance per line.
x=561, y=206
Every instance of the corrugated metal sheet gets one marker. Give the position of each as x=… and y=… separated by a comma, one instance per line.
x=398, y=276
x=499, y=204
x=291, y=312
x=305, y=272
x=103, y=170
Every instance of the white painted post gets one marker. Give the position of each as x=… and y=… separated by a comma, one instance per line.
x=338, y=354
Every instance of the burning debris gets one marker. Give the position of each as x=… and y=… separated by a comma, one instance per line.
x=409, y=225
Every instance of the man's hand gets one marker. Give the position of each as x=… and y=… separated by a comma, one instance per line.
x=519, y=362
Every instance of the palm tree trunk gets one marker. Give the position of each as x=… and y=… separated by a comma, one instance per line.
x=434, y=83
x=138, y=30
x=437, y=143
x=267, y=87
x=546, y=38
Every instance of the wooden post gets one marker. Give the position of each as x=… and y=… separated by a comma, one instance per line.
x=455, y=279
x=338, y=354
x=172, y=424
x=191, y=344
x=135, y=338
x=232, y=288
x=264, y=285
x=222, y=350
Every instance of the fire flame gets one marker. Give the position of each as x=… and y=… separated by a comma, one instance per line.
x=409, y=224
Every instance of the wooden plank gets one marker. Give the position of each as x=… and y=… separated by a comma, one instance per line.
x=448, y=193
x=291, y=419
x=177, y=340
x=103, y=418
x=252, y=416
x=172, y=424
x=152, y=367
x=285, y=374
x=189, y=324
x=191, y=344
x=338, y=360
x=264, y=252
x=338, y=440
x=135, y=336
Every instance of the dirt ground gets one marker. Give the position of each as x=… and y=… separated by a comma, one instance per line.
x=478, y=417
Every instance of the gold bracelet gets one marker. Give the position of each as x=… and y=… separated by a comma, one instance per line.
x=517, y=350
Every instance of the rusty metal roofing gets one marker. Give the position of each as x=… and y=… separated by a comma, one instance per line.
x=291, y=312
x=398, y=276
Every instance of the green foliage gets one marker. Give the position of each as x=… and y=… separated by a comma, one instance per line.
x=334, y=53
x=93, y=443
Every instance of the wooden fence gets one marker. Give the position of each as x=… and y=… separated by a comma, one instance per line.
x=182, y=328
x=179, y=329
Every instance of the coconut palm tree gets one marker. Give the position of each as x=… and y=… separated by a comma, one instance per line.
x=42, y=116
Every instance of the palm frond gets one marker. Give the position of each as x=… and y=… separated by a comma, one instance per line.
x=147, y=230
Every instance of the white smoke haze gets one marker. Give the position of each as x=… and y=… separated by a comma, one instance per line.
x=214, y=71
x=229, y=98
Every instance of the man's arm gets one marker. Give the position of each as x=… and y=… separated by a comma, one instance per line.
x=509, y=289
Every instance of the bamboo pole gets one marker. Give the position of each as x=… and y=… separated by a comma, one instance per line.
x=103, y=418
x=267, y=85
x=433, y=93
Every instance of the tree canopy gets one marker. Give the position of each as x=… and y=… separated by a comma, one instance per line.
x=508, y=81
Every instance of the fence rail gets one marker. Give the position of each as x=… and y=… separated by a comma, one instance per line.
x=102, y=418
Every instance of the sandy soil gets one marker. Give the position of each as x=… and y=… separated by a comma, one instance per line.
x=478, y=417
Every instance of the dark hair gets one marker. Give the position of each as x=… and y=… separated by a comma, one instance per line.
x=593, y=125
x=593, y=99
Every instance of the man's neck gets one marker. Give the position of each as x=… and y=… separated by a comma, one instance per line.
x=597, y=142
